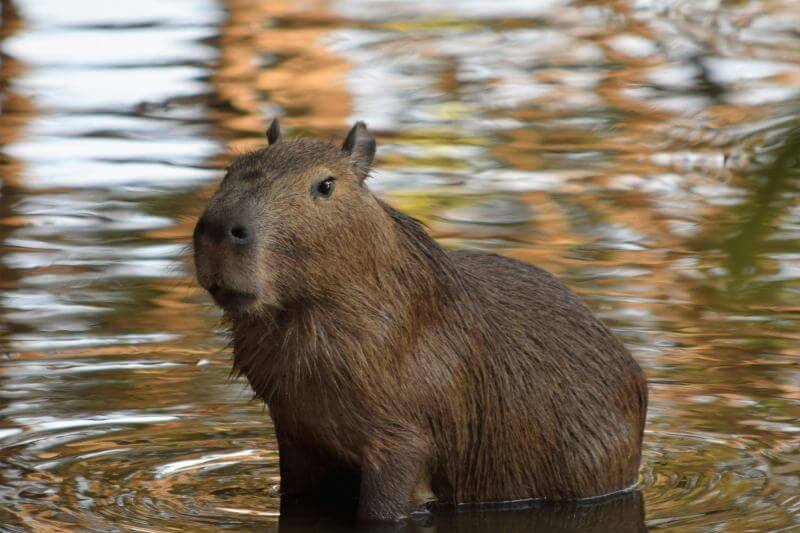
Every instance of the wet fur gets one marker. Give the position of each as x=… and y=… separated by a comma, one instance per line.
x=418, y=373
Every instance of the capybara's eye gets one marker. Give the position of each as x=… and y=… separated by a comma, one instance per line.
x=323, y=188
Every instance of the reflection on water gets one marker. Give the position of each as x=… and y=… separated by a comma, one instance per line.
x=645, y=151
x=623, y=513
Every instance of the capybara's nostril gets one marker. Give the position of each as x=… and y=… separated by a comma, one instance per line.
x=240, y=233
x=218, y=230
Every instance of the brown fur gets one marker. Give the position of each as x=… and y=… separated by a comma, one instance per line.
x=416, y=372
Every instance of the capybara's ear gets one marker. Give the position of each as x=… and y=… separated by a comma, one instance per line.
x=360, y=146
x=274, y=131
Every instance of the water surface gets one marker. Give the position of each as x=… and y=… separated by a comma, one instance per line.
x=646, y=151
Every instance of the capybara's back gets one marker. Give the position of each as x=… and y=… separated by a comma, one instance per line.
x=389, y=364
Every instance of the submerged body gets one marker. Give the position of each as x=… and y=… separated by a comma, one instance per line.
x=417, y=373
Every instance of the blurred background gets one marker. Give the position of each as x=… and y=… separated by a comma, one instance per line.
x=646, y=151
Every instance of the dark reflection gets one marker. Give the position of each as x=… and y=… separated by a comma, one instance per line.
x=12, y=106
x=623, y=513
x=765, y=205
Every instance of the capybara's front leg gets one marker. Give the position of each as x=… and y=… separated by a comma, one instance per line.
x=301, y=475
x=388, y=480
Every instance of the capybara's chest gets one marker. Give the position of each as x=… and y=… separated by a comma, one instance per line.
x=333, y=428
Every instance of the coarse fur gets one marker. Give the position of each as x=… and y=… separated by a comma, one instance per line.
x=417, y=373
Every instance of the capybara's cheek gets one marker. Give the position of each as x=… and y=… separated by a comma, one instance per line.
x=277, y=279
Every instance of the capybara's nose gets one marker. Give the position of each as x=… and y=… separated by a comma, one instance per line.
x=224, y=229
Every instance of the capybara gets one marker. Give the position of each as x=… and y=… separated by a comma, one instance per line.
x=420, y=374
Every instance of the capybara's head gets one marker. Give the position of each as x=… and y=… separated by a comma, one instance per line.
x=288, y=222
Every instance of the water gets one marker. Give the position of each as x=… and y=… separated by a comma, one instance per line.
x=645, y=151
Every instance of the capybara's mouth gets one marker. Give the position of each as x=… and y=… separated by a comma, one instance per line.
x=229, y=298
